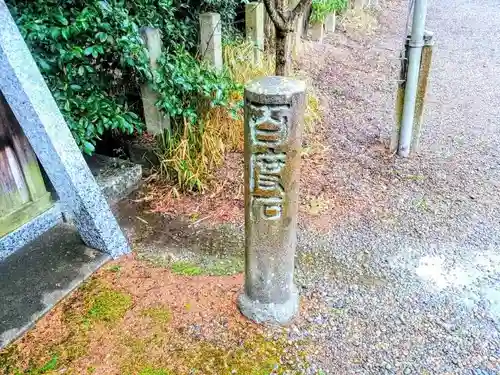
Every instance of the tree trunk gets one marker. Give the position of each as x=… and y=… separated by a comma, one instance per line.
x=283, y=53
x=269, y=32
x=284, y=20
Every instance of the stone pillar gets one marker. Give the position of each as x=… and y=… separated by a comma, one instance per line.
x=274, y=116
x=36, y=111
x=318, y=32
x=156, y=121
x=211, y=39
x=254, y=25
x=330, y=22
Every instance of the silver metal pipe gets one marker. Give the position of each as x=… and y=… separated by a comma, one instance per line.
x=414, y=57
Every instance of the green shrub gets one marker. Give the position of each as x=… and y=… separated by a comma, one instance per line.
x=92, y=57
x=322, y=8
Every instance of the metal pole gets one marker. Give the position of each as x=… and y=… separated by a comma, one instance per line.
x=414, y=57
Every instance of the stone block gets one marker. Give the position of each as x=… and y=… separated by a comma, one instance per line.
x=116, y=177
x=330, y=22
x=37, y=277
x=34, y=228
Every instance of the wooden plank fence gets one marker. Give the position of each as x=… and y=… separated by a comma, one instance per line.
x=23, y=194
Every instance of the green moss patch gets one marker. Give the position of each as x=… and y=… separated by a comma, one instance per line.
x=108, y=305
x=186, y=269
x=154, y=371
x=159, y=314
x=257, y=355
x=94, y=303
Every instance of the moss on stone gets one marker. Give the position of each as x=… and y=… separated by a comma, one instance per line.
x=256, y=356
x=224, y=267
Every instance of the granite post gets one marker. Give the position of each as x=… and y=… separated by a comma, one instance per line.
x=156, y=121
x=43, y=124
x=274, y=116
x=211, y=39
x=330, y=22
x=254, y=26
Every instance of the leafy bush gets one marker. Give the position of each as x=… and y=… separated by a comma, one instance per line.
x=189, y=91
x=322, y=8
x=93, y=59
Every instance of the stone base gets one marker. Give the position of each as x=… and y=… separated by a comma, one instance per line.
x=117, y=178
x=272, y=313
x=23, y=235
x=142, y=154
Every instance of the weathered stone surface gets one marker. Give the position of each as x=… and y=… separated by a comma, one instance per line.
x=211, y=39
x=43, y=124
x=274, y=111
x=23, y=235
x=116, y=177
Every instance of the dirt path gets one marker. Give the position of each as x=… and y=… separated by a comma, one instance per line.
x=429, y=225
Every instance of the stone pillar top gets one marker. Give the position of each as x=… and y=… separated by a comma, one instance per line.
x=273, y=89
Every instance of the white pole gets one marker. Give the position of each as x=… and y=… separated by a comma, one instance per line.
x=414, y=56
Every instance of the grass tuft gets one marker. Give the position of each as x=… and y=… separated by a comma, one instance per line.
x=186, y=269
x=154, y=371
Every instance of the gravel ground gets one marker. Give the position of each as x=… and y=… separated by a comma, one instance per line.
x=410, y=285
